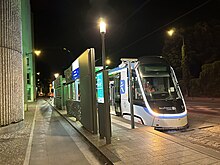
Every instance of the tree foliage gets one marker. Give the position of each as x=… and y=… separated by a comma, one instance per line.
x=208, y=83
x=202, y=48
x=202, y=42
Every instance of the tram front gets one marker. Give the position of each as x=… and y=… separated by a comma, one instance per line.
x=161, y=93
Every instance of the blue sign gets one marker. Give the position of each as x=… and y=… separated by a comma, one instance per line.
x=75, y=74
x=100, y=87
x=122, y=86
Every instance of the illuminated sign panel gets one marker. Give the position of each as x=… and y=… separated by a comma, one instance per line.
x=75, y=74
x=75, y=64
x=75, y=70
x=100, y=87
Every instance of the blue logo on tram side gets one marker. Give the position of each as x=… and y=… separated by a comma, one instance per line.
x=122, y=86
x=75, y=74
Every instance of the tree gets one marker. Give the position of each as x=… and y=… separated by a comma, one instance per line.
x=202, y=46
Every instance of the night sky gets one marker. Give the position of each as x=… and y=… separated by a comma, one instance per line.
x=135, y=27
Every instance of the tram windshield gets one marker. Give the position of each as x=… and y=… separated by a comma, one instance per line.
x=157, y=83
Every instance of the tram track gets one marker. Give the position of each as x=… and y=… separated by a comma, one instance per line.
x=204, y=125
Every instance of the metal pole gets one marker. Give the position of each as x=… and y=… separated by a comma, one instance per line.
x=106, y=95
x=184, y=67
x=107, y=109
x=131, y=95
x=183, y=48
x=103, y=50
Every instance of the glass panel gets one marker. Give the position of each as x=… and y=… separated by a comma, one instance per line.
x=159, y=88
x=28, y=61
x=28, y=78
x=136, y=87
x=29, y=93
x=137, y=90
x=73, y=91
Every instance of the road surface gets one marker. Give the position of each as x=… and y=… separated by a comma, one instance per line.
x=204, y=124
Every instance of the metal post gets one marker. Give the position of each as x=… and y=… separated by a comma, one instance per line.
x=131, y=95
x=107, y=108
x=184, y=67
x=183, y=49
x=106, y=95
x=103, y=50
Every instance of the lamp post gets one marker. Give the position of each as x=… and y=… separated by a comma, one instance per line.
x=184, y=67
x=103, y=32
x=171, y=33
x=107, y=120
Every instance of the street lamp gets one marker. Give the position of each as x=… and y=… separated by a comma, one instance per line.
x=184, y=67
x=106, y=114
x=108, y=61
x=67, y=50
x=171, y=32
x=36, y=52
x=102, y=26
x=56, y=75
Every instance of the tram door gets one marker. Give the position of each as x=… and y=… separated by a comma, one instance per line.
x=114, y=92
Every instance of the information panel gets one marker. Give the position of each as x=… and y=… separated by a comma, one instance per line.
x=100, y=87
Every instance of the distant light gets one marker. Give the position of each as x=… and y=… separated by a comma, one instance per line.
x=171, y=32
x=37, y=52
x=38, y=73
x=56, y=75
x=65, y=49
x=102, y=26
x=108, y=62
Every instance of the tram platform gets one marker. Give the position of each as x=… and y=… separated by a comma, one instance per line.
x=144, y=145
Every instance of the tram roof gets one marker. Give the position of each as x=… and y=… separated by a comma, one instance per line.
x=152, y=60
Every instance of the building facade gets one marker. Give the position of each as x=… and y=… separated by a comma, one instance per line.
x=28, y=53
x=11, y=63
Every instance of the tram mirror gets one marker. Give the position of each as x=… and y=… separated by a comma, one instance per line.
x=172, y=89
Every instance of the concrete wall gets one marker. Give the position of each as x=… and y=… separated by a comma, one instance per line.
x=11, y=71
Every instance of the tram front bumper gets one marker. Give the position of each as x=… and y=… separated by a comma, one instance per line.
x=170, y=124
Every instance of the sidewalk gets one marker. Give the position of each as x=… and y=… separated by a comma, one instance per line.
x=144, y=145
x=14, y=139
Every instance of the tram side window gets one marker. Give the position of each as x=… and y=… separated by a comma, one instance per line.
x=117, y=88
x=136, y=87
